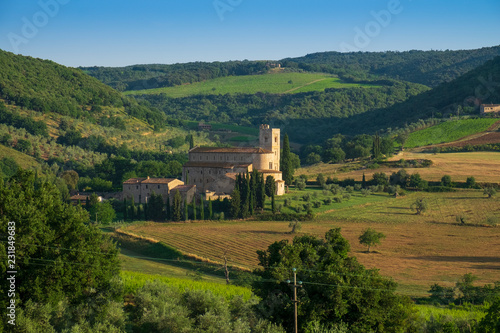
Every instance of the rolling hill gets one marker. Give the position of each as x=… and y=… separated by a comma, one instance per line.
x=273, y=83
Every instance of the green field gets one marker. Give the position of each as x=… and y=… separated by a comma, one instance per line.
x=21, y=159
x=277, y=83
x=448, y=131
x=133, y=281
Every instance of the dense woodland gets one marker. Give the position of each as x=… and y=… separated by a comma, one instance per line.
x=426, y=67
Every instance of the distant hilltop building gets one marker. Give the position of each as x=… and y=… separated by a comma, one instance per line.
x=489, y=108
x=214, y=170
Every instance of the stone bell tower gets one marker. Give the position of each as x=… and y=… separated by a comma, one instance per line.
x=269, y=139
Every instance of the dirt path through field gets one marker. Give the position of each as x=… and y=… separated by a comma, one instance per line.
x=305, y=85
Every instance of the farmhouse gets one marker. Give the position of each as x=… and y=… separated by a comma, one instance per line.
x=140, y=189
x=489, y=108
x=214, y=169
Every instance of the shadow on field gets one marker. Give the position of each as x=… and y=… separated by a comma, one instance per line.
x=489, y=267
x=407, y=211
x=458, y=259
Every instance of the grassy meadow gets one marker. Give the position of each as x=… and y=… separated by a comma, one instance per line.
x=275, y=83
x=448, y=131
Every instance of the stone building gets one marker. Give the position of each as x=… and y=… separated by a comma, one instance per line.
x=214, y=169
x=489, y=108
x=141, y=188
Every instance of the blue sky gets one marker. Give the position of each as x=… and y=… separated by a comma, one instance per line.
x=119, y=33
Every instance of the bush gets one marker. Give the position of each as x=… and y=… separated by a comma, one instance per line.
x=317, y=204
x=327, y=201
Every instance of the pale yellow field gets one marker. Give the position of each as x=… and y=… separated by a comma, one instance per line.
x=484, y=166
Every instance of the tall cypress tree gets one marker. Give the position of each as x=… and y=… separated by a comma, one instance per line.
x=202, y=209
x=286, y=162
x=235, y=209
x=194, y=207
x=376, y=147
x=167, y=209
x=177, y=207
x=260, y=192
x=210, y=211
x=186, y=212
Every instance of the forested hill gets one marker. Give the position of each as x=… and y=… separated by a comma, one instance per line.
x=45, y=86
x=139, y=77
x=459, y=97
x=425, y=67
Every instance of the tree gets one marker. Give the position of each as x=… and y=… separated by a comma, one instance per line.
x=370, y=238
x=186, y=211
x=270, y=186
x=273, y=203
x=446, y=181
x=401, y=139
x=286, y=162
x=177, y=207
x=420, y=205
x=260, y=192
x=490, y=191
x=470, y=182
x=61, y=255
x=202, y=209
x=320, y=179
x=71, y=178
x=103, y=213
x=296, y=226
x=235, y=209
x=155, y=207
x=194, y=207
x=210, y=210
x=336, y=288
x=491, y=322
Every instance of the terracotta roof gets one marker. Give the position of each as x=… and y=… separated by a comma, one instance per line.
x=490, y=105
x=158, y=180
x=221, y=165
x=233, y=150
x=183, y=188
x=134, y=181
x=268, y=171
x=79, y=197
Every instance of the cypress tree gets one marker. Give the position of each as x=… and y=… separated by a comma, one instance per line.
x=202, y=209
x=260, y=192
x=177, y=207
x=191, y=141
x=235, y=209
x=194, y=207
x=186, y=212
x=286, y=162
x=167, y=209
x=363, y=182
x=210, y=212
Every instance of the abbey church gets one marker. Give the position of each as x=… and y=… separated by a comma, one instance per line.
x=214, y=169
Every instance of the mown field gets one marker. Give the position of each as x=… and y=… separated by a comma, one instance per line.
x=448, y=131
x=418, y=250
x=276, y=83
x=483, y=166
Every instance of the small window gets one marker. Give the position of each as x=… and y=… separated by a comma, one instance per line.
x=270, y=165
x=146, y=187
x=265, y=139
x=158, y=186
x=137, y=187
x=276, y=139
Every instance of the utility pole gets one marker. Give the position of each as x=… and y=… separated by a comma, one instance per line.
x=295, y=300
